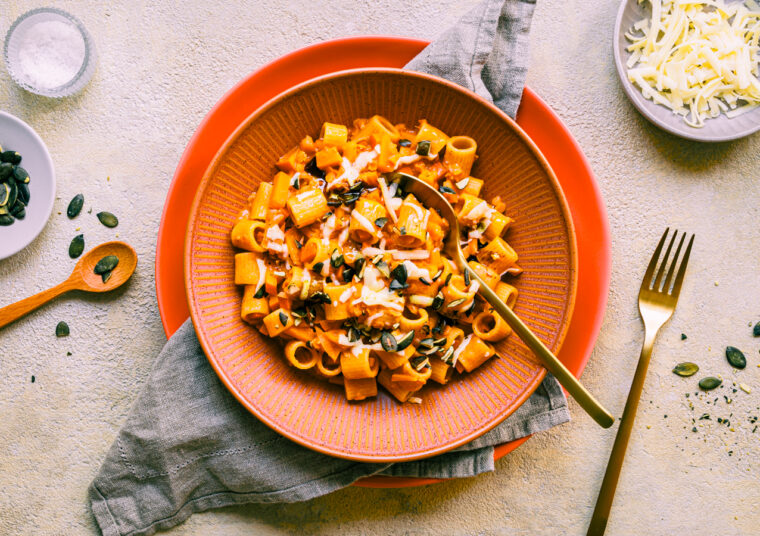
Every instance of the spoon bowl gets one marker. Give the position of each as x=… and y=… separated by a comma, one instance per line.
x=431, y=198
x=89, y=281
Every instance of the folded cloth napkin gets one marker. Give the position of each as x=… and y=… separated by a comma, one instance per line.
x=189, y=446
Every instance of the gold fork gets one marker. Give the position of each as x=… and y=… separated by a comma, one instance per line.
x=657, y=301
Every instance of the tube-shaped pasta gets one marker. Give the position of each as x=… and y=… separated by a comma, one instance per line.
x=290, y=160
x=472, y=186
x=386, y=160
x=355, y=364
x=253, y=309
x=377, y=127
x=460, y=155
x=498, y=255
x=338, y=308
x=506, y=293
x=300, y=355
x=412, y=223
x=498, y=226
x=490, y=326
x=292, y=241
x=436, y=137
x=489, y=277
x=384, y=379
x=394, y=360
x=454, y=336
x=333, y=135
x=313, y=251
x=328, y=157
x=257, y=209
x=412, y=317
x=280, y=190
x=248, y=269
x=327, y=366
x=474, y=354
x=278, y=321
x=307, y=207
x=360, y=389
x=328, y=346
x=248, y=234
x=440, y=372
x=362, y=227
x=300, y=333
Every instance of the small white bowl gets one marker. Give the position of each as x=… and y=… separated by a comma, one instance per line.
x=720, y=128
x=15, y=135
x=11, y=52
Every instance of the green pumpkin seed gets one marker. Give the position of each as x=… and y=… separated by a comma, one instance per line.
x=108, y=219
x=23, y=192
x=75, y=206
x=380, y=222
x=20, y=174
x=77, y=246
x=283, y=319
x=62, y=329
x=5, y=194
x=12, y=157
x=399, y=273
x=756, y=330
x=735, y=357
x=6, y=219
x=6, y=170
x=388, y=341
x=463, y=183
x=456, y=303
x=12, y=193
x=106, y=264
x=710, y=382
x=18, y=210
x=423, y=148
x=686, y=369
x=106, y=276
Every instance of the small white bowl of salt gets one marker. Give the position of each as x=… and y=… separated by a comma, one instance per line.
x=50, y=53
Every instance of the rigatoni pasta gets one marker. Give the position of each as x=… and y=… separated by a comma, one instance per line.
x=348, y=270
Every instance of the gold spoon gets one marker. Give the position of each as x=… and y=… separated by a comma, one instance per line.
x=430, y=197
x=82, y=277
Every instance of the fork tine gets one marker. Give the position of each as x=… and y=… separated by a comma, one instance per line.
x=661, y=271
x=682, y=269
x=672, y=270
x=647, y=281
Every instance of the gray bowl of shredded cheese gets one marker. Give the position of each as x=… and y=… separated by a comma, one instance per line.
x=692, y=69
x=50, y=53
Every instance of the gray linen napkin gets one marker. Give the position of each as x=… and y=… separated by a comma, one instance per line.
x=189, y=446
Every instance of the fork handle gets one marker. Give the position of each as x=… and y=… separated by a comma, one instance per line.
x=566, y=378
x=612, y=474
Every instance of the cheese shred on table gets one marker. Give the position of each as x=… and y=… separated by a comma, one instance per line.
x=698, y=58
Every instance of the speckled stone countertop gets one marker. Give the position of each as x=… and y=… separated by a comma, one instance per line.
x=164, y=64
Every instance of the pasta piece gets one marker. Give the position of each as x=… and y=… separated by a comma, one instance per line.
x=257, y=209
x=386, y=161
x=277, y=321
x=248, y=234
x=440, y=372
x=377, y=127
x=498, y=226
x=307, y=207
x=333, y=135
x=436, y=137
x=300, y=355
x=412, y=223
x=249, y=269
x=337, y=309
x=506, y=293
x=362, y=227
x=475, y=353
x=253, y=309
x=280, y=190
x=460, y=155
x=491, y=327
x=357, y=364
x=328, y=157
x=360, y=389
x=384, y=379
x=498, y=255
x=488, y=275
x=327, y=366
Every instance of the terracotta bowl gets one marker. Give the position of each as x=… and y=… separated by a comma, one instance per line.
x=315, y=413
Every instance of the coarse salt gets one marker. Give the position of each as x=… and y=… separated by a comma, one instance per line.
x=51, y=54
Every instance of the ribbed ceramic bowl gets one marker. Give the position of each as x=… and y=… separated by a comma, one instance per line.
x=720, y=128
x=315, y=413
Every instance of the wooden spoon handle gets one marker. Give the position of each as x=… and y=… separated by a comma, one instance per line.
x=16, y=310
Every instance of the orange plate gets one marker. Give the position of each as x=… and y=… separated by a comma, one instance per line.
x=315, y=413
x=534, y=116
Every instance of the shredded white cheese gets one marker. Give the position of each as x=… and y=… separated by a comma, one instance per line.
x=460, y=349
x=262, y=274
x=383, y=297
x=387, y=198
x=346, y=294
x=412, y=254
x=364, y=222
x=415, y=272
x=697, y=58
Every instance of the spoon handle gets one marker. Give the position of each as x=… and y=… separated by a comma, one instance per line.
x=14, y=311
x=585, y=399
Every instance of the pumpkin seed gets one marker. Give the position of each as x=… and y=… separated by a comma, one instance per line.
x=427, y=342
x=735, y=357
x=106, y=276
x=77, y=246
x=18, y=210
x=404, y=142
x=437, y=301
x=283, y=318
x=23, y=192
x=12, y=157
x=463, y=183
x=380, y=222
x=446, y=190
x=20, y=174
x=6, y=170
x=108, y=219
x=75, y=206
x=382, y=267
x=388, y=341
x=423, y=148
x=756, y=330
x=318, y=267
x=405, y=341
x=6, y=219
x=399, y=273
x=395, y=285
x=446, y=358
x=62, y=329
x=710, y=382
x=5, y=194
x=12, y=193
x=456, y=303
x=106, y=264
x=260, y=292
x=312, y=169
x=466, y=277
x=336, y=258
x=685, y=369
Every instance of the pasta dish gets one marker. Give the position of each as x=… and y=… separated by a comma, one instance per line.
x=349, y=271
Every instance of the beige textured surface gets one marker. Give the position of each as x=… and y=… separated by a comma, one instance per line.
x=163, y=65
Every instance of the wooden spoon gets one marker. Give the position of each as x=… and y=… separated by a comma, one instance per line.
x=82, y=278
x=431, y=198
